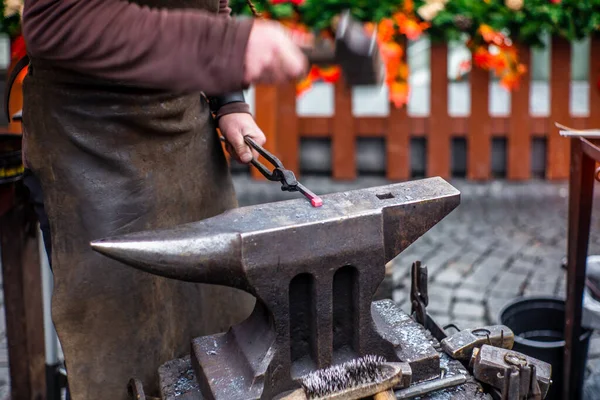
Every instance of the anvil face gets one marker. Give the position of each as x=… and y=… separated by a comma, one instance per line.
x=313, y=271
x=394, y=216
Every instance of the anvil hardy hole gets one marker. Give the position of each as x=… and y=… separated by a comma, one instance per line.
x=302, y=328
x=345, y=296
x=385, y=196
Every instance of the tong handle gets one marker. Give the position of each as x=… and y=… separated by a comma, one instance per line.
x=270, y=175
x=261, y=150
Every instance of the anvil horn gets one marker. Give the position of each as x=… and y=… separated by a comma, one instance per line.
x=180, y=254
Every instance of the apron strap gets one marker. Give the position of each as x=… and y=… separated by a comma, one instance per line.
x=19, y=66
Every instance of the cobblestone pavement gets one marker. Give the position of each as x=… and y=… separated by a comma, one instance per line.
x=503, y=241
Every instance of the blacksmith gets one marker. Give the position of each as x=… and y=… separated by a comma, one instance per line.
x=119, y=132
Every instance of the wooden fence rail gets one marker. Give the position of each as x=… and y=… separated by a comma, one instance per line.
x=276, y=115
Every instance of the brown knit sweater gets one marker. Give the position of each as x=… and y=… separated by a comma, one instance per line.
x=182, y=50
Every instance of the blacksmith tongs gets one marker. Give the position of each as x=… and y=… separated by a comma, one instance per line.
x=288, y=180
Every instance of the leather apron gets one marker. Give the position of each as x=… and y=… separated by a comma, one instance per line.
x=113, y=159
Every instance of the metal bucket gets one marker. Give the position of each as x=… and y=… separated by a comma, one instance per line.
x=538, y=325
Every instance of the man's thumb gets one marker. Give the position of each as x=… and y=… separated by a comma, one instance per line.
x=242, y=149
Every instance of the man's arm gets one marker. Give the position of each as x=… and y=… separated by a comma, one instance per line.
x=179, y=50
x=229, y=103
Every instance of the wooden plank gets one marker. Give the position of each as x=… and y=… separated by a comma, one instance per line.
x=318, y=127
x=479, y=142
x=23, y=303
x=343, y=135
x=438, y=136
x=288, y=143
x=266, y=106
x=371, y=126
x=397, y=139
x=519, y=135
x=594, y=80
x=539, y=126
x=398, y=145
x=560, y=91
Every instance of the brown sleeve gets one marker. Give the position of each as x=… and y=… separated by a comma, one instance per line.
x=178, y=50
x=235, y=107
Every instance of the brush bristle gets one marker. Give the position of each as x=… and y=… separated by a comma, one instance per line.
x=344, y=376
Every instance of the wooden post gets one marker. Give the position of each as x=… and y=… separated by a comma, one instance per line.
x=266, y=110
x=519, y=134
x=594, y=80
x=288, y=138
x=344, y=136
x=560, y=91
x=438, y=137
x=479, y=142
x=23, y=298
x=397, y=142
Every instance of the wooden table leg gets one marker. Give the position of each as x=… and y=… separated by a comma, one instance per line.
x=581, y=187
x=23, y=302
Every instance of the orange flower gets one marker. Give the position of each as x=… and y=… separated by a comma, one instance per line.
x=391, y=51
x=304, y=86
x=386, y=30
x=403, y=72
x=409, y=6
x=330, y=74
x=490, y=35
x=498, y=63
x=510, y=81
x=409, y=26
x=482, y=58
x=399, y=93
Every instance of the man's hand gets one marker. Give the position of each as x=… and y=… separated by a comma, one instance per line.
x=273, y=55
x=234, y=127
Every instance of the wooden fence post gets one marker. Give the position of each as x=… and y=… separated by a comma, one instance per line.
x=560, y=93
x=288, y=138
x=440, y=123
x=479, y=138
x=594, y=82
x=266, y=112
x=344, y=135
x=519, y=134
x=22, y=284
x=397, y=141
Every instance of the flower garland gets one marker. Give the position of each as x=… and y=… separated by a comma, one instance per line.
x=491, y=27
x=409, y=23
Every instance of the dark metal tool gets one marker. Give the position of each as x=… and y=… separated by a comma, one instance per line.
x=514, y=375
x=430, y=387
x=356, y=52
x=313, y=275
x=420, y=299
x=460, y=345
x=418, y=292
x=288, y=180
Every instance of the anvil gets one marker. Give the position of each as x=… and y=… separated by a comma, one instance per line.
x=313, y=272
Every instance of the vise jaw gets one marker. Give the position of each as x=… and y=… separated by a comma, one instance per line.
x=313, y=272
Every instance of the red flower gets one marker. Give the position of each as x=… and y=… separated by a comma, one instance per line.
x=482, y=58
x=295, y=2
x=555, y=1
x=330, y=75
x=17, y=48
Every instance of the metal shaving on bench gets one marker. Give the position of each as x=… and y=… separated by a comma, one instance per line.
x=351, y=374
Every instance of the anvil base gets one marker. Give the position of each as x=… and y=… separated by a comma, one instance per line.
x=413, y=344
